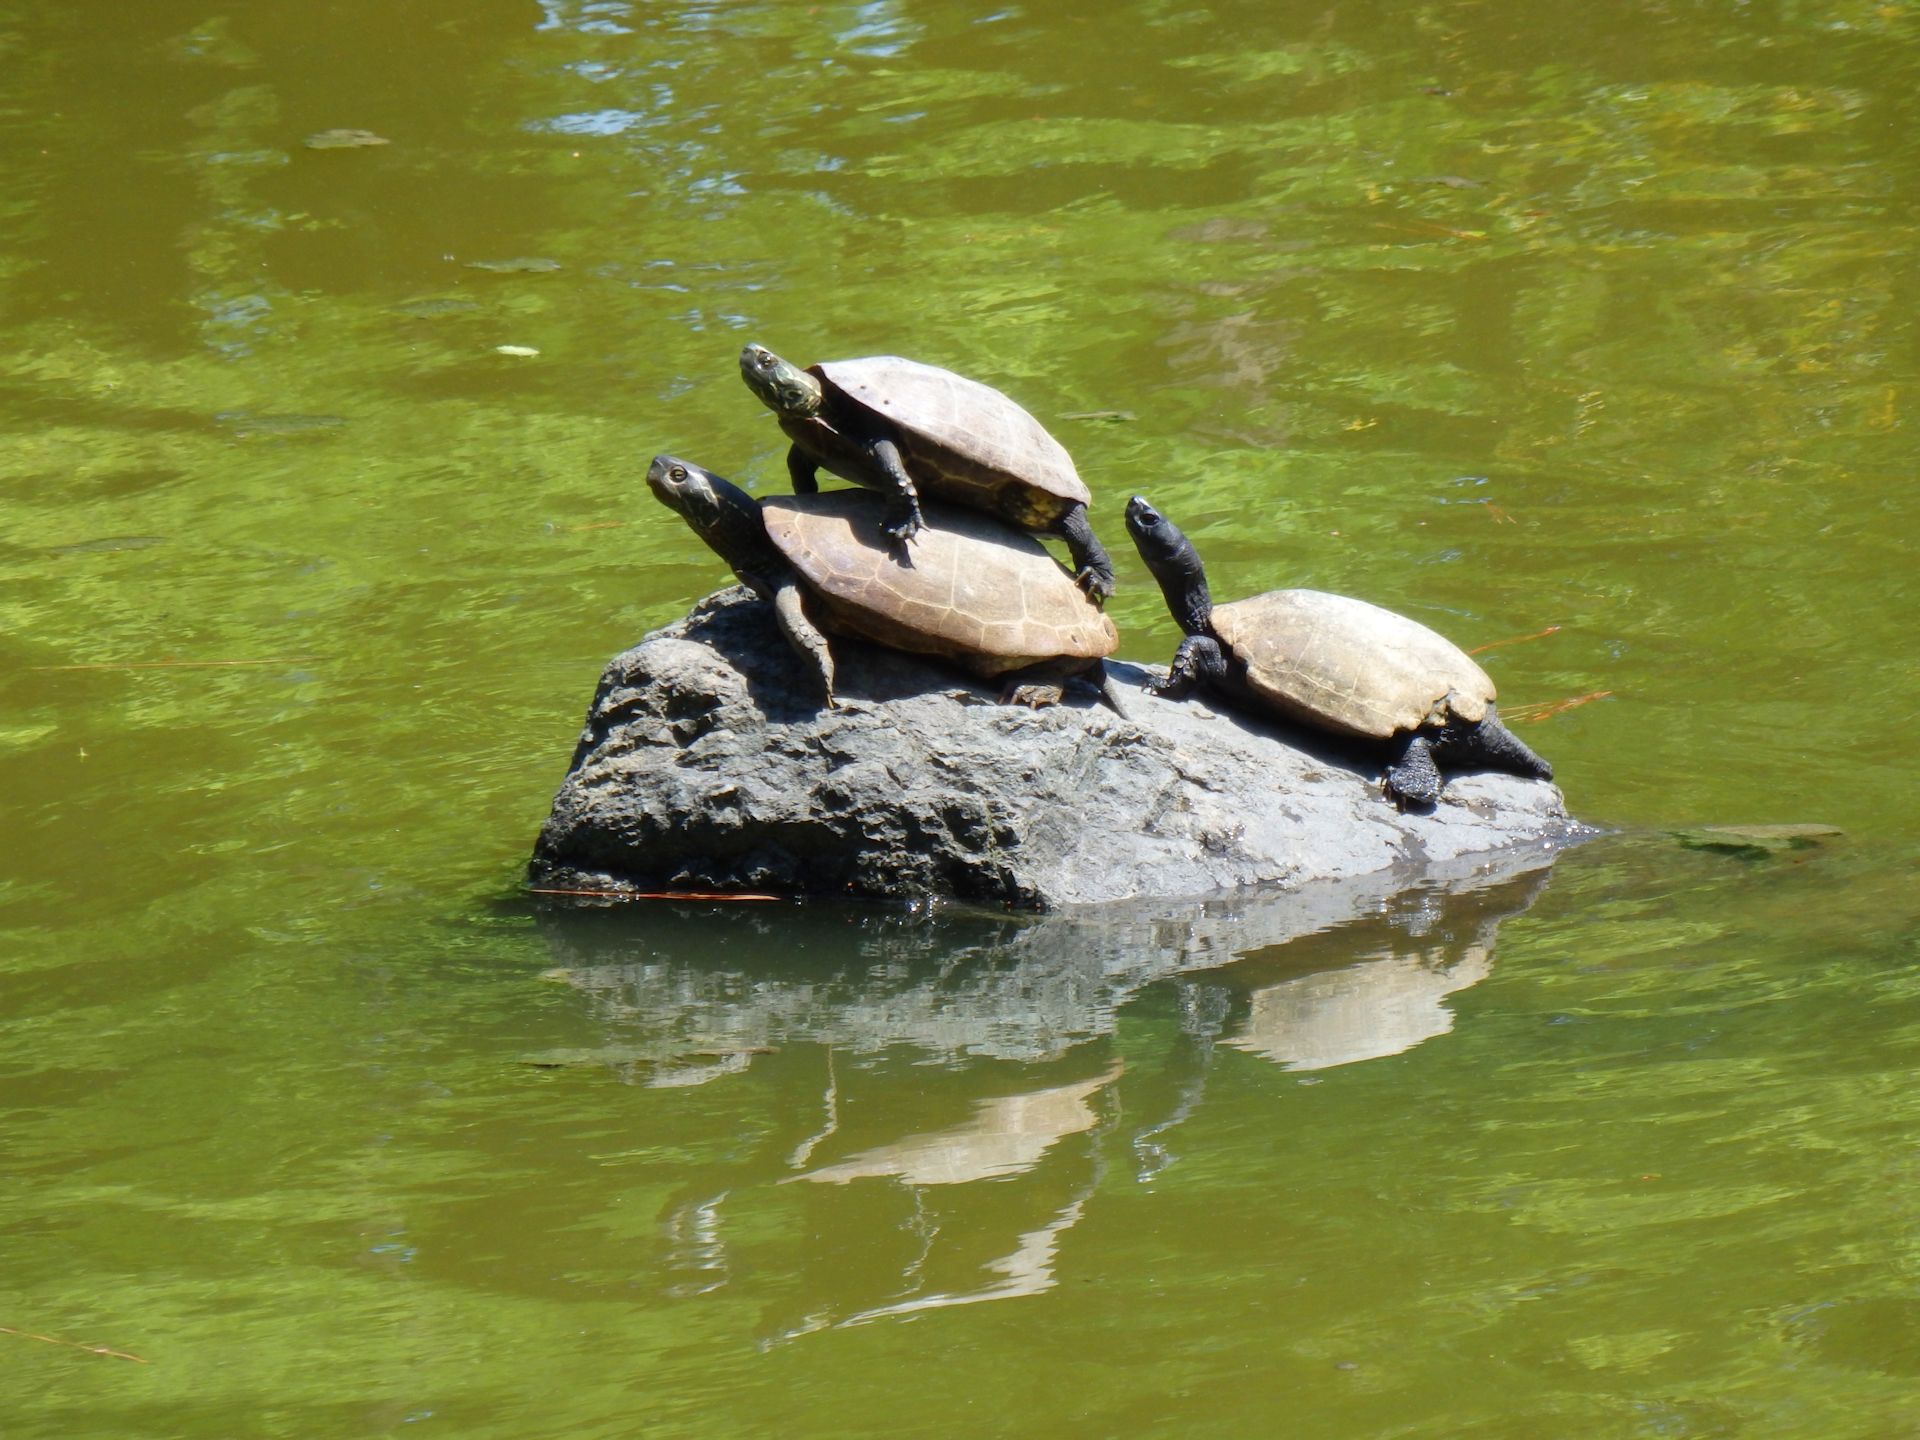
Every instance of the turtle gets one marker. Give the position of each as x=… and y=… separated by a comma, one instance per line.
x=1335, y=663
x=975, y=592
x=899, y=427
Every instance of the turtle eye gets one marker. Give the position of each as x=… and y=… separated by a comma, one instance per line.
x=678, y=472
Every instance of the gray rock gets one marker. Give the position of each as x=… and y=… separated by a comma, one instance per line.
x=707, y=763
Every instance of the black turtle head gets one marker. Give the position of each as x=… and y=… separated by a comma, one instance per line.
x=1174, y=563
x=783, y=388
x=719, y=511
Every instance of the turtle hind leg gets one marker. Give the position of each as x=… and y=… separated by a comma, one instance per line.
x=804, y=636
x=1412, y=777
x=1093, y=568
x=1490, y=745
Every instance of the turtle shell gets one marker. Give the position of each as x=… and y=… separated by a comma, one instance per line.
x=1342, y=664
x=965, y=435
x=970, y=590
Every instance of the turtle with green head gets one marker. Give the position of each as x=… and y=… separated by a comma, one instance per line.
x=901, y=427
x=988, y=599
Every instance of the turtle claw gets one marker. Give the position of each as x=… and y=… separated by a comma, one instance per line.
x=902, y=531
x=1172, y=686
x=1097, y=586
x=1033, y=695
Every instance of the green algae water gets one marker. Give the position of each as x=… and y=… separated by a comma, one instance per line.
x=336, y=341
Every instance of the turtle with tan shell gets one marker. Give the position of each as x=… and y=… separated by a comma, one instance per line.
x=1335, y=663
x=973, y=592
x=901, y=427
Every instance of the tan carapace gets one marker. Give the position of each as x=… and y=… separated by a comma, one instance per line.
x=969, y=590
x=1342, y=663
x=966, y=437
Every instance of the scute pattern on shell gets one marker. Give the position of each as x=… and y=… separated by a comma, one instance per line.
x=974, y=592
x=970, y=433
x=1351, y=665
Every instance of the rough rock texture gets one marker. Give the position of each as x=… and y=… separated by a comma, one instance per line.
x=707, y=764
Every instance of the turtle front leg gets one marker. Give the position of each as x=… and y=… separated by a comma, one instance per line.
x=804, y=636
x=1034, y=694
x=1046, y=684
x=1198, y=661
x=1412, y=778
x=904, y=520
x=1490, y=745
x=1094, y=570
x=803, y=471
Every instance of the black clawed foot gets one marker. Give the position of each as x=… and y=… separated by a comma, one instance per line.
x=1414, y=798
x=1413, y=779
x=1096, y=585
x=902, y=530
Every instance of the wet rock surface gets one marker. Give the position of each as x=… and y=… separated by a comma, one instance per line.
x=707, y=763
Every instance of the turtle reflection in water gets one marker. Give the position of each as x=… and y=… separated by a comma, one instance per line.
x=899, y=426
x=1337, y=664
x=992, y=601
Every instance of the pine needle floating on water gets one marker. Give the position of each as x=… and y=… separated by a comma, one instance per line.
x=1515, y=640
x=1546, y=709
x=74, y=1345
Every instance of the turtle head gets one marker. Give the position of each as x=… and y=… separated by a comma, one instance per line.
x=1174, y=564
x=719, y=511
x=783, y=388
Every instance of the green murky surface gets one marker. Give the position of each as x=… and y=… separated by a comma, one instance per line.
x=1509, y=316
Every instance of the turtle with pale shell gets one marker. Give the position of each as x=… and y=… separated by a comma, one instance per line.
x=901, y=427
x=1334, y=663
x=973, y=592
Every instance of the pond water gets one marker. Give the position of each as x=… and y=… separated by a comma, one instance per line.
x=1586, y=334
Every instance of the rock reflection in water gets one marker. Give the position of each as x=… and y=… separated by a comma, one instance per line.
x=980, y=1204
x=687, y=992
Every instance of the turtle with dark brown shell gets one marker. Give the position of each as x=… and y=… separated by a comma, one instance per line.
x=901, y=427
x=1337, y=664
x=984, y=597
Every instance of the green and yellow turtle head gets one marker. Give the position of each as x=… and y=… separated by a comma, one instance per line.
x=783, y=388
